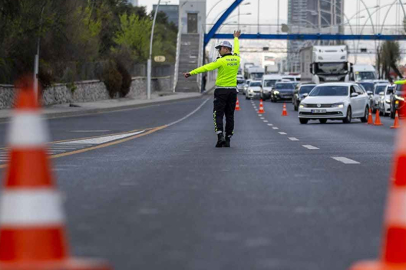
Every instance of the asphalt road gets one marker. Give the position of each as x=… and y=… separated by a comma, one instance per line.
x=282, y=197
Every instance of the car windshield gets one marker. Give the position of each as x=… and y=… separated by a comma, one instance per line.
x=255, y=83
x=329, y=91
x=368, y=86
x=270, y=83
x=364, y=75
x=257, y=76
x=306, y=89
x=285, y=86
x=401, y=89
x=240, y=81
x=380, y=88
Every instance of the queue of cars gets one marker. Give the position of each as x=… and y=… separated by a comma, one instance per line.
x=330, y=101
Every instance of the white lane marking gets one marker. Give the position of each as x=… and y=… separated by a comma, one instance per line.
x=275, y=128
x=345, y=160
x=262, y=118
x=293, y=139
x=311, y=147
x=259, y=114
x=265, y=121
x=282, y=133
x=85, y=131
x=101, y=140
x=183, y=118
x=270, y=125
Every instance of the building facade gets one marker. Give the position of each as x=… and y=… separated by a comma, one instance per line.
x=172, y=11
x=192, y=16
x=312, y=16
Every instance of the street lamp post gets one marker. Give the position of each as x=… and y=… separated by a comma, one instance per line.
x=36, y=63
x=150, y=54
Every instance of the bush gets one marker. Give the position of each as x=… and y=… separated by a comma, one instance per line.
x=111, y=78
x=126, y=79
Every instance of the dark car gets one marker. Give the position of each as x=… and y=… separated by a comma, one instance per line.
x=300, y=93
x=282, y=91
x=398, y=100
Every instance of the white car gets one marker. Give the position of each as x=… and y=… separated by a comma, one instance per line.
x=240, y=83
x=378, y=88
x=335, y=101
x=384, y=102
x=254, y=90
x=245, y=89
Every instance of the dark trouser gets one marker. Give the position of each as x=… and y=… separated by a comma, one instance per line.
x=224, y=104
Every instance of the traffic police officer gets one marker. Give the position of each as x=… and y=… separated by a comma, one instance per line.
x=225, y=94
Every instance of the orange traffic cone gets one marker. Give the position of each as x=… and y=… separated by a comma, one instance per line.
x=396, y=123
x=237, y=106
x=370, y=120
x=284, y=111
x=32, y=229
x=261, y=107
x=377, y=120
x=393, y=255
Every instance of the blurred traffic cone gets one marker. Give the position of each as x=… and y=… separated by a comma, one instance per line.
x=370, y=120
x=237, y=106
x=32, y=229
x=284, y=111
x=261, y=107
x=396, y=123
x=377, y=119
x=393, y=255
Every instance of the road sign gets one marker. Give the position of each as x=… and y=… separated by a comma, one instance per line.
x=159, y=58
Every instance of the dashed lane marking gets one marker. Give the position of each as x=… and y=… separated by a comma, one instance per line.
x=345, y=160
x=293, y=139
x=275, y=128
x=270, y=125
x=262, y=118
x=282, y=133
x=87, y=131
x=265, y=121
x=311, y=147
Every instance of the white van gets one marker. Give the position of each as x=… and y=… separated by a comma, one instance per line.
x=364, y=72
x=268, y=82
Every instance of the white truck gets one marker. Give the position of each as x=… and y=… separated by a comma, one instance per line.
x=254, y=73
x=321, y=64
x=362, y=72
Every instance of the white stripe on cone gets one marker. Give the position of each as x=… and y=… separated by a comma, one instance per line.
x=396, y=208
x=27, y=129
x=29, y=207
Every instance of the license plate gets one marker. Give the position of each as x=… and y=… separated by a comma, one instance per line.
x=318, y=111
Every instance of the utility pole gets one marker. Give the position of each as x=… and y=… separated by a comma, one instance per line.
x=258, y=16
x=150, y=54
x=36, y=61
x=278, y=31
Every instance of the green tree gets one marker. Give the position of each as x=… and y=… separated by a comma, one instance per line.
x=389, y=56
x=134, y=35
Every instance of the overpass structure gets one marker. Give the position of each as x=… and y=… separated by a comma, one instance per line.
x=212, y=33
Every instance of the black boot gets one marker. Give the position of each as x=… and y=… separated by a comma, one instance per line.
x=220, y=140
x=227, y=142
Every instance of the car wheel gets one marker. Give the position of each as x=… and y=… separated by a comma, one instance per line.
x=246, y=97
x=348, y=118
x=323, y=121
x=365, y=118
x=303, y=120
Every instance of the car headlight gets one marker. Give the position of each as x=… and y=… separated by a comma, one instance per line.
x=399, y=98
x=250, y=90
x=338, y=105
x=276, y=92
x=387, y=101
x=302, y=105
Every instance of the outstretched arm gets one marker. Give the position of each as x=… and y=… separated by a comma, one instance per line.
x=237, y=34
x=205, y=68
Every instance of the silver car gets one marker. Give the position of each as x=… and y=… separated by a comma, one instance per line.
x=378, y=88
x=253, y=90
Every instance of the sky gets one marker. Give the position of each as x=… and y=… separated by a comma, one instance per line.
x=268, y=10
